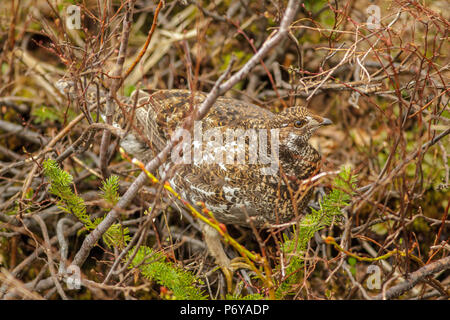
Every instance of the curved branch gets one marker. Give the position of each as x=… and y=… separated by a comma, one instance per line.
x=415, y=278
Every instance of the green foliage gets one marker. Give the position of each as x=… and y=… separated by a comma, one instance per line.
x=352, y=262
x=129, y=90
x=5, y=68
x=382, y=228
x=110, y=190
x=154, y=266
x=60, y=186
x=60, y=182
x=44, y=113
x=329, y=209
x=314, y=6
x=116, y=236
x=241, y=59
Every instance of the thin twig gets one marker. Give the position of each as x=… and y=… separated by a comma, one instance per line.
x=415, y=277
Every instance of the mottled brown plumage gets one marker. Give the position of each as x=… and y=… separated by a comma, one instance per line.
x=236, y=193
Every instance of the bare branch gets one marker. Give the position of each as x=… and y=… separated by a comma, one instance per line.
x=416, y=277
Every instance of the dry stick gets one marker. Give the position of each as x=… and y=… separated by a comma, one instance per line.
x=45, y=283
x=49, y=146
x=218, y=89
x=8, y=279
x=438, y=236
x=117, y=83
x=422, y=149
x=147, y=42
x=355, y=283
x=10, y=154
x=63, y=245
x=416, y=277
x=250, y=41
x=104, y=146
x=138, y=237
x=22, y=132
x=82, y=143
x=48, y=251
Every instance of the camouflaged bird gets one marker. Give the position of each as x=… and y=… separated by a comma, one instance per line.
x=236, y=192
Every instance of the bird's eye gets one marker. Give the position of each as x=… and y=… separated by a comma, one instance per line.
x=298, y=123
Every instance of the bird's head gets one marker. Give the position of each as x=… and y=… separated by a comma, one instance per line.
x=296, y=125
x=66, y=87
x=73, y=91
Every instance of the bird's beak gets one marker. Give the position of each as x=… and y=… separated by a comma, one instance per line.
x=316, y=122
x=326, y=122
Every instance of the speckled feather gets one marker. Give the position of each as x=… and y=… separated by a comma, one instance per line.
x=233, y=192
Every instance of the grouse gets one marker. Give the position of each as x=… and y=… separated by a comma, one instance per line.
x=244, y=163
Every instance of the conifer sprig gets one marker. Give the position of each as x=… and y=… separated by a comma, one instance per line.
x=60, y=186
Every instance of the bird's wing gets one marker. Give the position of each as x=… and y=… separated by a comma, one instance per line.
x=168, y=108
